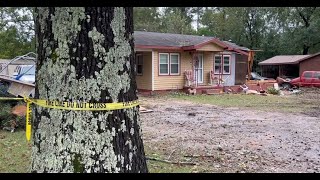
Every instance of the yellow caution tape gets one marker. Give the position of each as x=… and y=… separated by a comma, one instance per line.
x=84, y=106
x=28, y=120
x=75, y=106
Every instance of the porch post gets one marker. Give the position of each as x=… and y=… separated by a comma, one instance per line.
x=152, y=71
x=194, y=69
x=279, y=70
x=221, y=69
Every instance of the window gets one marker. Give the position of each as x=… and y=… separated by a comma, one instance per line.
x=139, y=59
x=169, y=64
x=307, y=74
x=317, y=75
x=174, y=64
x=226, y=65
x=164, y=64
x=28, y=70
x=17, y=69
x=218, y=65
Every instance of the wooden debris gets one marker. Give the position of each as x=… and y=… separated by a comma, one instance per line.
x=144, y=110
x=171, y=154
x=198, y=156
x=19, y=110
x=170, y=162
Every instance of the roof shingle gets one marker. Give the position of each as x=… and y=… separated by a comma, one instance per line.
x=168, y=39
x=283, y=59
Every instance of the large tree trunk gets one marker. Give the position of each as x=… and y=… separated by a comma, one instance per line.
x=86, y=55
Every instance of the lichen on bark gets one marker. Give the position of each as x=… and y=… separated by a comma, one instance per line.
x=85, y=141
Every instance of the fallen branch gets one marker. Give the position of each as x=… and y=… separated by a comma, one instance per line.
x=171, y=154
x=170, y=162
x=198, y=156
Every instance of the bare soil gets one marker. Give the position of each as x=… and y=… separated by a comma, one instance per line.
x=232, y=139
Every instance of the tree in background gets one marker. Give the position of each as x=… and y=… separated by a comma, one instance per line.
x=16, y=31
x=176, y=21
x=86, y=54
x=275, y=30
x=305, y=30
x=146, y=19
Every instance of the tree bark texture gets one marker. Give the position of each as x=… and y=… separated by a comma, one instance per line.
x=86, y=55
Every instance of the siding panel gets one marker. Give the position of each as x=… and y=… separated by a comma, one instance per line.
x=177, y=82
x=312, y=64
x=164, y=82
x=210, y=47
x=145, y=81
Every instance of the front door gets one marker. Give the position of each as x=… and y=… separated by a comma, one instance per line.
x=198, y=69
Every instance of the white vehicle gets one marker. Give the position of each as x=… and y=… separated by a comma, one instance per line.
x=21, y=82
x=25, y=73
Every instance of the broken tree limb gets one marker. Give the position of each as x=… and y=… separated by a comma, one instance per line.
x=171, y=162
x=171, y=154
x=198, y=156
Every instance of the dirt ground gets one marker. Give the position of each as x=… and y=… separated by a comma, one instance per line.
x=232, y=139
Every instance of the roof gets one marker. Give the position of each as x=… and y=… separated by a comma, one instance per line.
x=167, y=39
x=180, y=41
x=233, y=45
x=283, y=59
x=309, y=57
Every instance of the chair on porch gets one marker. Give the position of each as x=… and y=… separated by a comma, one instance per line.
x=213, y=79
x=189, y=78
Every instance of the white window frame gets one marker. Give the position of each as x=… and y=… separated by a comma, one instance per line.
x=178, y=73
x=140, y=74
x=221, y=64
x=229, y=65
x=214, y=63
x=168, y=64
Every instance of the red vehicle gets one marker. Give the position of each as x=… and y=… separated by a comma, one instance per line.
x=308, y=78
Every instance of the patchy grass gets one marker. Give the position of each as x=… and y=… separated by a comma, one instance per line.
x=293, y=103
x=15, y=156
x=162, y=167
x=14, y=152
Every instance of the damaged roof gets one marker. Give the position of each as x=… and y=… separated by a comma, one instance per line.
x=283, y=59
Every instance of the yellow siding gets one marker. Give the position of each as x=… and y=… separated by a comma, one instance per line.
x=145, y=81
x=164, y=82
x=210, y=47
x=177, y=82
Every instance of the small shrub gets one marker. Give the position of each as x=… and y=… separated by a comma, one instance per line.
x=272, y=90
x=3, y=89
x=5, y=114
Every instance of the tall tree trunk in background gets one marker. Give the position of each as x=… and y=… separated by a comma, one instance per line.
x=305, y=49
x=86, y=55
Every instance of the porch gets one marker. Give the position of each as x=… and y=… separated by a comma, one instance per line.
x=180, y=70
